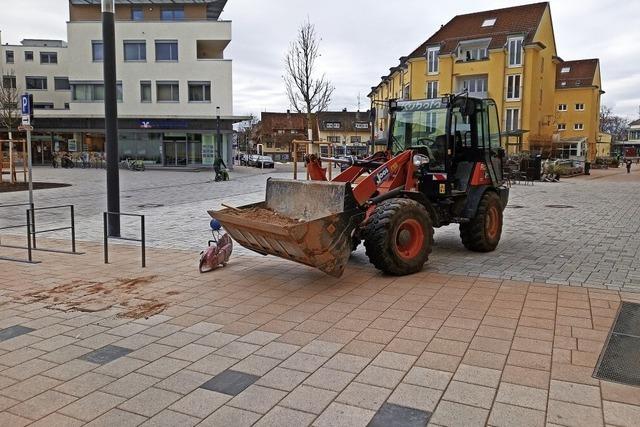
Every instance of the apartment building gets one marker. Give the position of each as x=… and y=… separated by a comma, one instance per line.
x=630, y=147
x=276, y=131
x=349, y=131
x=509, y=55
x=174, y=82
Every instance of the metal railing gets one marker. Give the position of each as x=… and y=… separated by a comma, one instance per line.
x=106, y=236
x=30, y=226
x=71, y=227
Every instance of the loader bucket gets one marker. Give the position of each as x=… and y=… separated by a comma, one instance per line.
x=310, y=222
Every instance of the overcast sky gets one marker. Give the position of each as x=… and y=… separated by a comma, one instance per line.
x=361, y=39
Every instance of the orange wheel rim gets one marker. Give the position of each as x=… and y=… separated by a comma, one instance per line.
x=409, y=239
x=492, y=223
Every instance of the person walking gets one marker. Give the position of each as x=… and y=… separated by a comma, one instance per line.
x=628, y=166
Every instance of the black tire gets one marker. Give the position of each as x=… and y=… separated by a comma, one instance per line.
x=387, y=227
x=482, y=233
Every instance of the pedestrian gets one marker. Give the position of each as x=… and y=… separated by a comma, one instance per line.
x=629, y=166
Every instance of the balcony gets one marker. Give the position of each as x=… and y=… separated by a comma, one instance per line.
x=473, y=50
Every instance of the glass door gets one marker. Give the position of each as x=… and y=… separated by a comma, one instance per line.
x=169, y=153
x=181, y=153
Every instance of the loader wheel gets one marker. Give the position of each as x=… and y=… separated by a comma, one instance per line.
x=399, y=236
x=482, y=233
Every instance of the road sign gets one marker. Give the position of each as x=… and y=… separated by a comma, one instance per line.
x=27, y=108
x=25, y=128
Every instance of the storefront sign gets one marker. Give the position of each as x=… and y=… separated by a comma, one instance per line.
x=208, y=150
x=163, y=124
x=73, y=146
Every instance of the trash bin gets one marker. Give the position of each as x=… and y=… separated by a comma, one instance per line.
x=587, y=168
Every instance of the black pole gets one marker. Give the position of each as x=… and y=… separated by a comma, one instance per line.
x=111, y=114
x=218, y=135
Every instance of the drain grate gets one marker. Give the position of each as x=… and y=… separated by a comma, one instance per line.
x=559, y=206
x=619, y=361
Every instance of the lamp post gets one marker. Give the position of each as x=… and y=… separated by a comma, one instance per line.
x=218, y=135
x=111, y=115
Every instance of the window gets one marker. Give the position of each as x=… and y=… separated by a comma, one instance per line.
x=9, y=82
x=355, y=139
x=10, y=57
x=36, y=83
x=362, y=125
x=91, y=92
x=565, y=70
x=97, y=51
x=135, y=50
x=145, y=91
x=332, y=125
x=477, y=86
x=471, y=52
x=513, y=86
x=137, y=14
x=61, y=83
x=489, y=22
x=578, y=126
x=514, y=48
x=166, y=50
x=199, y=91
x=43, y=105
x=333, y=139
x=432, y=60
x=513, y=119
x=563, y=84
x=562, y=126
x=174, y=13
x=562, y=107
x=432, y=90
x=168, y=92
x=48, y=57
x=28, y=55
x=579, y=107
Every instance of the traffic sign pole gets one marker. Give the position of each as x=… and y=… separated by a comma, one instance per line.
x=27, y=115
x=30, y=166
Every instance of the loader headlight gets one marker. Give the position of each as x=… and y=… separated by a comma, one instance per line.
x=419, y=160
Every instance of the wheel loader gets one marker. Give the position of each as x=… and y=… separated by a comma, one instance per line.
x=443, y=165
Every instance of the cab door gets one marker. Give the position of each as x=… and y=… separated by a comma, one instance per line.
x=494, y=153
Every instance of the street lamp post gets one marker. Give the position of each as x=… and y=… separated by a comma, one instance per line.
x=218, y=135
x=111, y=115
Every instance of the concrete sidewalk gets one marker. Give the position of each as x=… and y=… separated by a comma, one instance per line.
x=270, y=342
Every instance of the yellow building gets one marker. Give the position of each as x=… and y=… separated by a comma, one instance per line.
x=603, y=144
x=508, y=55
x=349, y=131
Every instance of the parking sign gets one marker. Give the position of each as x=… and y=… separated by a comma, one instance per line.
x=26, y=105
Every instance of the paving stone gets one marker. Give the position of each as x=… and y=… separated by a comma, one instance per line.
x=256, y=365
x=184, y=381
x=84, y=384
x=257, y=399
x=364, y=396
x=192, y=352
x=282, y=379
x=229, y=416
x=70, y=369
x=163, y=367
x=417, y=397
x=259, y=337
x=575, y=393
x=29, y=388
x=230, y=382
x=150, y=402
x=400, y=416
x=338, y=414
x=382, y=377
x=503, y=415
x=388, y=359
x=91, y=406
x=120, y=367
x=28, y=369
x=308, y=399
x=520, y=395
x=42, y=405
x=280, y=416
x=168, y=418
x=117, y=417
x=151, y=352
x=347, y=362
x=277, y=350
x=57, y=420
x=304, y=362
x=237, y=350
x=213, y=364
x=428, y=378
x=621, y=414
x=457, y=414
x=216, y=339
x=330, y=379
x=7, y=419
x=106, y=354
x=573, y=414
x=14, y=331
x=478, y=375
x=65, y=354
x=130, y=385
x=321, y=348
x=200, y=403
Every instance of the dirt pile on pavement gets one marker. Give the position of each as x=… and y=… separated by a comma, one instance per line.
x=266, y=216
x=92, y=296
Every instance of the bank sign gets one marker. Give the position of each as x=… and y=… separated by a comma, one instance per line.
x=163, y=124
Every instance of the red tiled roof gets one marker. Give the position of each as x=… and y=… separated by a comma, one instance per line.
x=581, y=73
x=515, y=20
x=270, y=123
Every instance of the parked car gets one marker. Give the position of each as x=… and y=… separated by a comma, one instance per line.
x=264, y=162
x=252, y=159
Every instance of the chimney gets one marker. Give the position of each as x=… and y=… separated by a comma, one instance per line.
x=344, y=110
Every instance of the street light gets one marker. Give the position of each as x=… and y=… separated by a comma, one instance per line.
x=111, y=115
x=218, y=136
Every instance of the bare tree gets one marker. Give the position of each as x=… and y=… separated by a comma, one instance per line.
x=612, y=124
x=307, y=93
x=245, y=132
x=9, y=97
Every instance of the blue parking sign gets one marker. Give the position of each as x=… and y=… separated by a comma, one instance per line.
x=26, y=105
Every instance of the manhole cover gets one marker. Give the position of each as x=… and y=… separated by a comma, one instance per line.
x=619, y=360
x=151, y=205
x=559, y=206
x=515, y=206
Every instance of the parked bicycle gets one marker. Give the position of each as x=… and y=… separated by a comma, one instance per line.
x=133, y=165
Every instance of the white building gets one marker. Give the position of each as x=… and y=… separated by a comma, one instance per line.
x=173, y=78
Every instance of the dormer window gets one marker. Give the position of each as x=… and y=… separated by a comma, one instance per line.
x=565, y=69
x=489, y=22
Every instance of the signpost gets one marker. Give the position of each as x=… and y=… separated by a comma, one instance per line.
x=27, y=116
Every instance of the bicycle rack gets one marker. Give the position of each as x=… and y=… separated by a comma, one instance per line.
x=106, y=236
x=30, y=225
